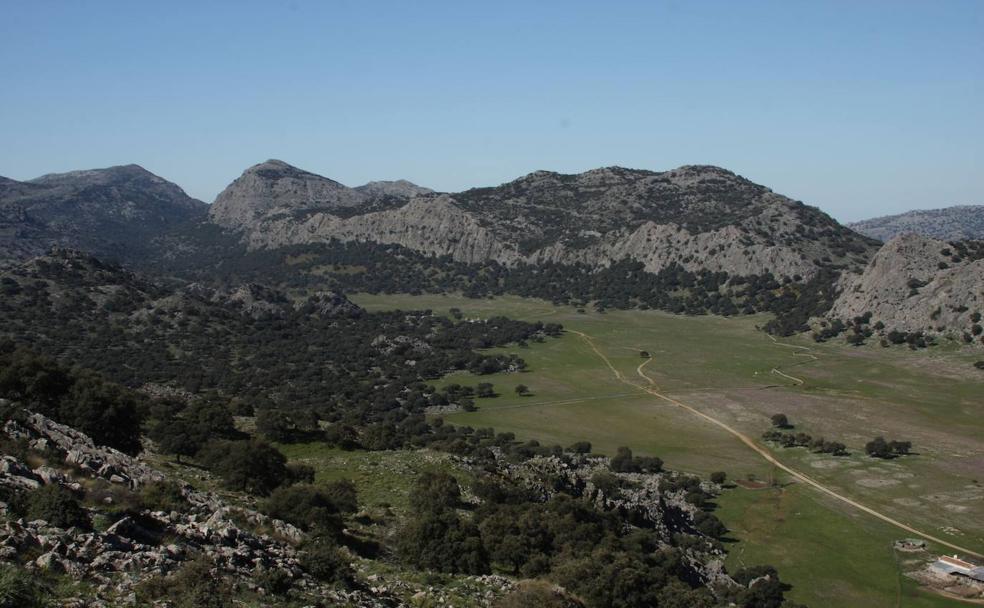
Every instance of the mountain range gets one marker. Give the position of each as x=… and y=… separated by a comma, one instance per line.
x=693, y=239
x=949, y=224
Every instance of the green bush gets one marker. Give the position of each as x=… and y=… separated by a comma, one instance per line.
x=273, y=581
x=248, y=466
x=322, y=559
x=306, y=506
x=163, y=496
x=193, y=586
x=20, y=589
x=57, y=506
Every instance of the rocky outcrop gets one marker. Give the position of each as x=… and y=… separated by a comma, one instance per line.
x=639, y=499
x=135, y=547
x=328, y=304
x=116, y=211
x=78, y=451
x=916, y=283
x=697, y=217
x=950, y=224
x=261, y=302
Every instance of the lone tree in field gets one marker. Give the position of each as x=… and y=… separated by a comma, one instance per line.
x=780, y=421
x=522, y=390
x=719, y=477
x=485, y=390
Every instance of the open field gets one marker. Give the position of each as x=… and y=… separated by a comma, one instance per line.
x=723, y=367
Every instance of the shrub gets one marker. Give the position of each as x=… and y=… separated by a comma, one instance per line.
x=163, y=496
x=249, y=466
x=344, y=494
x=537, y=594
x=273, y=581
x=20, y=589
x=193, y=586
x=57, y=506
x=322, y=559
x=305, y=506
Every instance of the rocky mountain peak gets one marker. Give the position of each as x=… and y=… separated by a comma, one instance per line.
x=400, y=188
x=275, y=187
x=119, y=173
x=110, y=211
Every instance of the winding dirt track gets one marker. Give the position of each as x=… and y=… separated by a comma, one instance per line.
x=764, y=453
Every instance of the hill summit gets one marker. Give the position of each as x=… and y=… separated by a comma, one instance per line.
x=105, y=211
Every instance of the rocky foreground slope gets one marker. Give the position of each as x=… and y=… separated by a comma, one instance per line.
x=699, y=217
x=134, y=547
x=915, y=283
x=111, y=212
x=950, y=224
x=112, y=561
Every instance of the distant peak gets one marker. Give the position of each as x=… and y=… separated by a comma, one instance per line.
x=399, y=188
x=117, y=171
x=274, y=165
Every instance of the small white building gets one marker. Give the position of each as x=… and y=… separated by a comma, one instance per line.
x=954, y=566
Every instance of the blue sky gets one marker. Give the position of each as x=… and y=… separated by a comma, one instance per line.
x=861, y=108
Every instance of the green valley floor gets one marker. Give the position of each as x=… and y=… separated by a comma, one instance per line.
x=594, y=384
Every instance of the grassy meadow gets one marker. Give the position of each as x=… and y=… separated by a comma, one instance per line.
x=831, y=553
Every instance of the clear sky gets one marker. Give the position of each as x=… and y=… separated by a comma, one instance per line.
x=859, y=107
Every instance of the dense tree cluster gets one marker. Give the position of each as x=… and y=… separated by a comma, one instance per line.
x=107, y=412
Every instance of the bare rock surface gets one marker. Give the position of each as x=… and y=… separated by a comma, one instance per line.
x=699, y=217
x=915, y=283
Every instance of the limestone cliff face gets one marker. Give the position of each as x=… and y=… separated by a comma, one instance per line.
x=915, y=283
x=698, y=217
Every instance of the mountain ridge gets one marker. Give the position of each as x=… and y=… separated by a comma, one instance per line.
x=957, y=222
x=594, y=218
x=108, y=211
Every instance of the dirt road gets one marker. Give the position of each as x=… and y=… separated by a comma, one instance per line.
x=763, y=452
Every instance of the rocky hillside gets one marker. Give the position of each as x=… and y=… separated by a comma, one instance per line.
x=274, y=191
x=951, y=224
x=697, y=217
x=917, y=284
x=112, y=212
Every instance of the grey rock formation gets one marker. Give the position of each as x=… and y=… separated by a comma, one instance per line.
x=274, y=188
x=699, y=217
x=78, y=450
x=400, y=188
x=915, y=284
x=261, y=302
x=121, y=556
x=328, y=304
x=115, y=211
x=950, y=224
